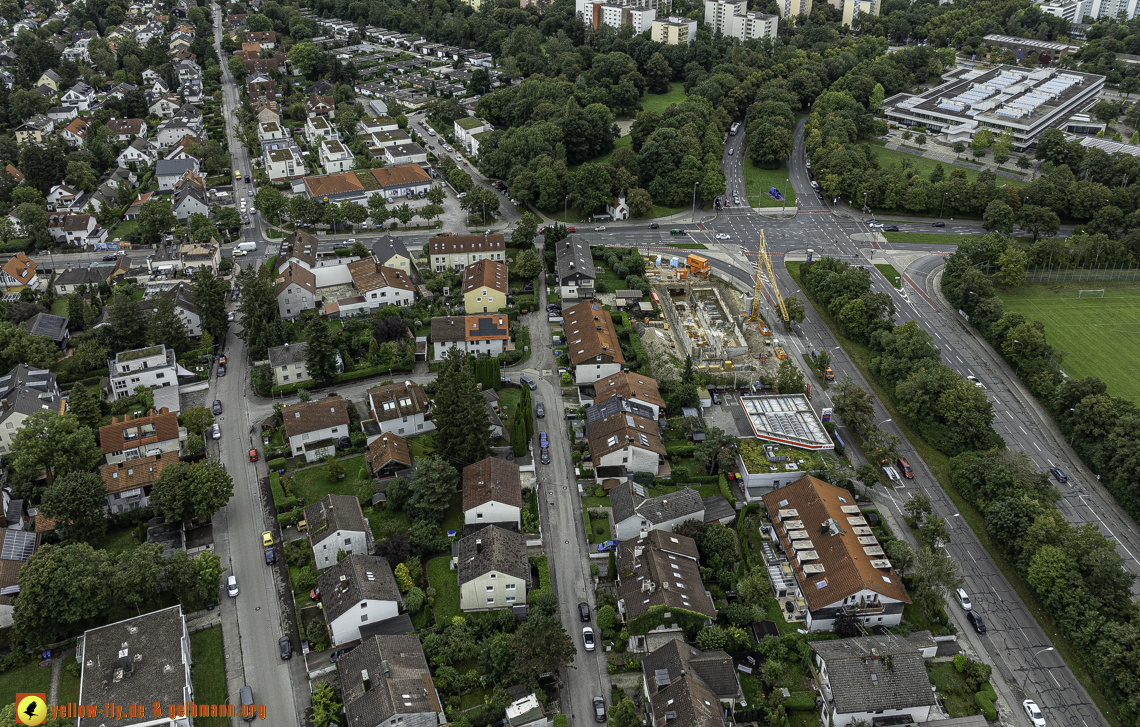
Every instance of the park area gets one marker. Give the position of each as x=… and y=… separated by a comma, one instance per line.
x=1098, y=335
x=924, y=166
x=757, y=182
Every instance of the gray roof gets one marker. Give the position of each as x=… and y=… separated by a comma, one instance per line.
x=492, y=549
x=395, y=665
x=387, y=246
x=871, y=673
x=616, y=405
x=717, y=508
x=356, y=578
x=45, y=324
x=287, y=354
x=80, y=276
x=664, y=508
x=395, y=626
x=676, y=658
x=573, y=257
x=334, y=513
x=23, y=376
x=155, y=649
x=174, y=167
x=623, y=502
x=687, y=701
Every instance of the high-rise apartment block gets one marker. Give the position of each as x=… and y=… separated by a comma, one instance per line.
x=732, y=18
x=639, y=14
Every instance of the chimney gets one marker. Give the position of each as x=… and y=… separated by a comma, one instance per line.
x=364, y=680
x=387, y=671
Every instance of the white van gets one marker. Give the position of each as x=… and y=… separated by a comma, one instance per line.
x=247, y=246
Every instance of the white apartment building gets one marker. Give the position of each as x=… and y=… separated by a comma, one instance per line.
x=1100, y=9
x=733, y=19
x=152, y=367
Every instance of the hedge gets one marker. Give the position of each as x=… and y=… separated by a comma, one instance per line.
x=276, y=464
x=276, y=488
x=691, y=621
x=987, y=705
x=724, y=490
x=340, y=378
x=680, y=449
x=800, y=702
x=560, y=720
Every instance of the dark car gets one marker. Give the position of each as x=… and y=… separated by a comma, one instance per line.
x=221, y=369
x=891, y=228
x=217, y=407
x=939, y=223
x=285, y=646
x=1059, y=474
x=716, y=398
x=540, y=410
x=335, y=656
x=108, y=258
x=654, y=226
x=584, y=611
x=599, y=709
x=270, y=556
x=976, y=621
x=546, y=455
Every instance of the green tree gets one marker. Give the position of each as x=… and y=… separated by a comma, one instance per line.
x=935, y=577
x=540, y=646
x=518, y=433
x=80, y=175
x=878, y=94
x=658, y=74
x=83, y=404
x=55, y=444
x=719, y=448
x=524, y=233
x=196, y=419
x=128, y=324
x=460, y=411
x=269, y=201
x=918, y=507
x=76, y=501
x=136, y=575
x=796, y=310
x=590, y=188
x=900, y=555
x=209, y=295
x=853, y=405
x=334, y=470
x=789, y=378
x=983, y=139
x=320, y=351
x=403, y=578
x=998, y=217
x=868, y=474
x=624, y=714
x=1011, y=266
x=166, y=327
x=185, y=490
x=430, y=488
x=155, y=220
x=527, y=264
x=303, y=56
x=1038, y=220
x=61, y=587
x=327, y=706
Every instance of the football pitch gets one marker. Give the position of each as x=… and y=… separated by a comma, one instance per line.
x=1100, y=336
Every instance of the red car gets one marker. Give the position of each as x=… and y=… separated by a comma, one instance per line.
x=253, y=455
x=571, y=229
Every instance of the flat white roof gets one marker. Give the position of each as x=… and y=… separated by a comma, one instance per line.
x=786, y=419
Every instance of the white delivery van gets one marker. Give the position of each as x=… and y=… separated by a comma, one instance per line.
x=247, y=246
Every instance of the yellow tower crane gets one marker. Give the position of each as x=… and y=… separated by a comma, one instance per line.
x=763, y=256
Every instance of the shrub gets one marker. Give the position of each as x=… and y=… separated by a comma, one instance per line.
x=287, y=504
x=724, y=490
x=960, y=662
x=800, y=702
x=680, y=449
x=987, y=706
x=414, y=599
x=276, y=464
x=306, y=579
x=318, y=635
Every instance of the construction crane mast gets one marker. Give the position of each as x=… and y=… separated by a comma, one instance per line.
x=763, y=256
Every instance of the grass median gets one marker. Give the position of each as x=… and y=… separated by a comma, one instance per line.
x=939, y=465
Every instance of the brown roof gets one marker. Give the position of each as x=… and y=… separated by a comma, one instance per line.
x=319, y=102
x=649, y=577
x=129, y=433
x=312, y=416
x=390, y=401
x=629, y=385
x=465, y=243
x=840, y=538
x=333, y=184
x=688, y=702
x=388, y=448
x=78, y=126
x=14, y=173
x=300, y=245
x=491, y=479
x=75, y=223
x=469, y=328
x=368, y=275
x=620, y=430
x=126, y=126
x=136, y=473
x=485, y=274
x=492, y=549
x=399, y=175
x=21, y=267
x=297, y=274
x=590, y=334
x=251, y=47
x=269, y=36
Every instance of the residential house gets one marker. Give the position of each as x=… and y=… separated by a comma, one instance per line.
x=270, y=131
x=660, y=569
x=136, y=207
x=150, y=367
x=72, y=229
x=377, y=125
x=404, y=180
x=75, y=133
x=388, y=455
x=336, y=523
x=63, y=197
x=467, y=127
x=50, y=79
x=881, y=677
x=526, y=712
x=127, y=129
x=80, y=96
x=184, y=306
x=317, y=128
x=181, y=148
x=341, y=187
x=390, y=252
x=401, y=408
x=386, y=682
x=492, y=494
x=592, y=344
x=264, y=38
x=275, y=64
x=320, y=106
x=322, y=86
x=634, y=514
x=131, y=438
x=70, y=280
x=170, y=171
x=34, y=129
x=24, y=390
x=380, y=285
x=622, y=444
x=62, y=114
x=19, y=273
x=335, y=157
x=139, y=152
x=839, y=567
x=486, y=335
x=165, y=105
x=288, y=363
x=358, y=590
x=630, y=386
x=313, y=428
x=283, y=161
x=129, y=482
x=189, y=199
x=260, y=86
x=14, y=173
x=458, y=251
x=48, y=326
x=296, y=291
x=410, y=153
x=574, y=266
x=493, y=569
x=141, y=660
x=687, y=701
x=492, y=409
x=675, y=661
x=485, y=287
x=201, y=255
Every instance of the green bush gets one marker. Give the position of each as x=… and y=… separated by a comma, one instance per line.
x=987, y=706
x=286, y=504
x=680, y=449
x=724, y=490
x=276, y=464
x=800, y=702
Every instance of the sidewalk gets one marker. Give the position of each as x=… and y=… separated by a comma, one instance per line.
x=940, y=153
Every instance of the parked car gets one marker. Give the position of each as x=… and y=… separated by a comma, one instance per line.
x=976, y=621
x=216, y=431
x=599, y=709
x=530, y=383
x=217, y=407
x=232, y=587
x=939, y=223
x=608, y=546
x=253, y=455
x=545, y=455
x=963, y=599
x=584, y=611
x=285, y=646
x=222, y=367
x=248, y=707
x=266, y=539
x=716, y=397
x=270, y=556
x=505, y=379
x=335, y=656
x=588, y=638
x=1059, y=474
x=540, y=410
x=1033, y=713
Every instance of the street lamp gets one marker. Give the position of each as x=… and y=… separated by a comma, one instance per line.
x=864, y=203
x=785, y=200
x=695, y=185
x=1034, y=657
x=943, y=205
x=1018, y=367
x=1074, y=434
x=883, y=422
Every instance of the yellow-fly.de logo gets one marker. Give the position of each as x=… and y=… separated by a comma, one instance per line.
x=31, y=709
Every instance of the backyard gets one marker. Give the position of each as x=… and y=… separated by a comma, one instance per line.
x=952, y=688
x=208, y=673
x=446, y=585
x=313, y=483
x=28, y=678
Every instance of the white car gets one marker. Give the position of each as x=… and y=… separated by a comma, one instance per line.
x=723, y=236
x=599, y=228
x=974, y=380
x=1033, y=713
x=232, y=586
x=588, y=638
x=874, y=224
x=240, y=253
x=461, y=195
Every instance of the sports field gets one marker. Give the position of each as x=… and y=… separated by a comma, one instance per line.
x=1100, y=336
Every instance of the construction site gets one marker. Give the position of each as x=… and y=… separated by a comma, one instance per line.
x=708, y=320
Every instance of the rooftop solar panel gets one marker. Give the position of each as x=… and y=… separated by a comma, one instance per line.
x=18, y=545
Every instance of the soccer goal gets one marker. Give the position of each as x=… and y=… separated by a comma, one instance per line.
x=1090, y=293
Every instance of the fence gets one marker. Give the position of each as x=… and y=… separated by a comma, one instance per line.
x=1118, y=272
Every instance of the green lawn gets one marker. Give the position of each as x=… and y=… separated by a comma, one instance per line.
x=599, y=528
x=119, y=541
x=623, y=142
x=929, y=238
x=68, y=683
x=924, y=166
x=386, y=523
x=421, y=446
x=124, y=228
x=758, y=181
x=208, y=673
x=1094, y=333
x=312, y=484
x=453, y=517
x=952, y=687
x=59, y=307
x=660, y=102
x=446, y=585
x=28, y=678
x=892, y=275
